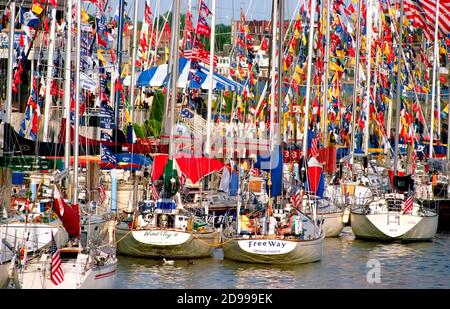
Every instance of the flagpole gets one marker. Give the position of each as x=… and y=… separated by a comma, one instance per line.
x=133, y=59
x=355, y=83
x=67, y=75
x=211, y=80
x=77, y=108
x=48, y=96
x=433, y=87
x=8, y=148
x=399, y=87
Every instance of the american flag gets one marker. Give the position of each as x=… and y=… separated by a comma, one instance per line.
x=422, y=13
x=201, y=55
x=57, y=275
x=408, y=205
x=315, y=146
x=101, y=194
x=155, y=193
x=297, y=200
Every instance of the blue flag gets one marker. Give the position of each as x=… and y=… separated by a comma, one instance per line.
x=107, y=155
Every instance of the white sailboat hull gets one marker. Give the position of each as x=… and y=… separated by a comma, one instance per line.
x=35, y=276
x=383, y=226
x=158, y=243
x=4, y=275
x=333, y=223
x=273, y=251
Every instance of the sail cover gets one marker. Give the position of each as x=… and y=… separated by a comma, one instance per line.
x=158, y=77
x=69, y=216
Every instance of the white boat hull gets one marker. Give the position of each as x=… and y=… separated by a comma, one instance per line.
x=273, y=250
x=75, y=277
x=4, y=275
x=158, y=243
x=333, y=223
x=384, y=226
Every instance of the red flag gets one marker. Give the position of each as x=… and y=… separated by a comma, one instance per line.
x=408, y=205
x=69, y=216
x=264, y=45
x=100, y=41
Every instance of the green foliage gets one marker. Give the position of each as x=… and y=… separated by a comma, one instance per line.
x=152, y=127
x=157, y=111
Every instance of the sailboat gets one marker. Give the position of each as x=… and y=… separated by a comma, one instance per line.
x=303, y=243
x=84, y=262
x=396, y=216
x=163, y=228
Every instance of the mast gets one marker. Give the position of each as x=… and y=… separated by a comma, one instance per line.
x=133, y=59
x=355, y=82
x=48, y=96
x=433, y=87
x=8, y=149
x=171, y=98
x=399, y=88
x=211, y=80
x=67, y=96
x=308, y=79
x=77, y=107
x=368, y=74
x=119, y=64
x=273, y=72
x=326, y=75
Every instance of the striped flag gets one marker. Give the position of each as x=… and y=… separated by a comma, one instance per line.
x=101, y=194
x=315, y=147
x=155, y=193
x=422, y=13
x=408, y=205
x=201, y=55
x=297, y=200
x=57, y=275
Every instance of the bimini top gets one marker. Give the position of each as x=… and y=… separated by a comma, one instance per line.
x=158, y=76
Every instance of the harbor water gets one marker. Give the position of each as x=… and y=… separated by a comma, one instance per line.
x=347, y=263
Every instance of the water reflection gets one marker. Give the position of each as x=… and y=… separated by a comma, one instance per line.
x=344, y=265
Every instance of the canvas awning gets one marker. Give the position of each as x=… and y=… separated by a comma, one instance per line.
x=158, y=76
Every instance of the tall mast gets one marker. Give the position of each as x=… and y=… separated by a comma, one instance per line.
x=119, y=64
x=133, y=59
x=211, y=80
x=67, y=96
x=368, y=74
x=48, y=96
x=77, y=107
x=308, y=79
x=273, y=73
x=399, y=87
x=280, y=70
x=433, y=87
x=326, y=75
x=173, y=71
x=8, y=107
x=355, y=81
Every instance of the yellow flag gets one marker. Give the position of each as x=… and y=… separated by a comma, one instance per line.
x=127, y=116
x=37, y=8
x=296, y=34
x=335, y=67
x=125, y=71
x=340, y=53
x=443, y=50
x=100, y=57
x=167, y=53
x=84, y=16
x=445, y=110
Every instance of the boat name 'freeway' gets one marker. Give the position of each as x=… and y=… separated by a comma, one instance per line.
x=266, y=243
